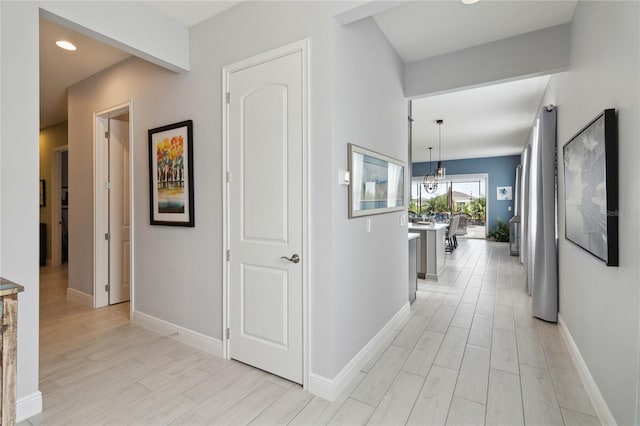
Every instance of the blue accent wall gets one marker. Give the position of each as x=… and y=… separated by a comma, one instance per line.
x=501, y=171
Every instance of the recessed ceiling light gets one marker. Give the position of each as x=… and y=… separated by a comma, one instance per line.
x=65, y=45
x=469, y=1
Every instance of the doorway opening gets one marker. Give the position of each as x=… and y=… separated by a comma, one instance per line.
x=113, y=213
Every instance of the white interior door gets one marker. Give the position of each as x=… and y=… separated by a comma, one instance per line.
x=265, y=116
x=119, y=211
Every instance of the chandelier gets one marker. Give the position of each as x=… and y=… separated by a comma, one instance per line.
x=429, y=181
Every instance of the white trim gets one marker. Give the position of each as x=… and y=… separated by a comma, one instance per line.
x=184, y=335
x=225, y=215
x=302, y=46
x=306, y=191
x=99, y=270
x=28, y=406
x=101, y=296
x=331, y=388
x=590, y=385
x=132, y=212
x=81, y=297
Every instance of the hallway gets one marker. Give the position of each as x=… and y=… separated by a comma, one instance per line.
x=469, y=353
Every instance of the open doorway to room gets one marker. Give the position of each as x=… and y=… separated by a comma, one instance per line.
x=479, y=131
x=61, y=68
x=112, y=208
x=67, y=315
x=463, y=195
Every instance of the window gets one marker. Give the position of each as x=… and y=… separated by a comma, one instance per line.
x=468, y=196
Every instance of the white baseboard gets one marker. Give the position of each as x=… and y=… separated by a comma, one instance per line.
x=189, y=337
x=28, y=406
x=81, y=297
x=600, y=405
x=332, y=388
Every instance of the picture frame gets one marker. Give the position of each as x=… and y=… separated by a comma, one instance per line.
x=43, y=193
x=171, y=200
x=504, y=193
x=376, y=182
x=590, y=164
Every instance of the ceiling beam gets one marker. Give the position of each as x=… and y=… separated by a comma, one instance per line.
x=129, y=26
x=365, y=9
x=533, y=54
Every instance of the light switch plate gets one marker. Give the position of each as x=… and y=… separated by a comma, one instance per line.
x=343, y=178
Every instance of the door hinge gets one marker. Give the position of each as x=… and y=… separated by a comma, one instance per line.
x=106, y=135
x=228, y=177
x=228, y=255
x=228, y=97
x=107, y=236
x=106, y=287
x=107, y=185
x=228, y=332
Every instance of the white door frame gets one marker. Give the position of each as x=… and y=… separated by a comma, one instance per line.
x=56, y=204
x=299, y=46
x=100, y=220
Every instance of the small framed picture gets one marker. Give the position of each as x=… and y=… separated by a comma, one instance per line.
x=43, y=193
x=505, y=193
x=171, y=174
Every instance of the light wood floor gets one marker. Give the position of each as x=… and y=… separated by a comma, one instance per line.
x=475, y=231
x=469, y=353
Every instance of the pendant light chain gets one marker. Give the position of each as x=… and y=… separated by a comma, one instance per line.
x=439, y=140
x=440, y=171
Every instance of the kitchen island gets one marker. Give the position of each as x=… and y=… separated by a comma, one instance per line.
x=431, y=253
x=414, y=239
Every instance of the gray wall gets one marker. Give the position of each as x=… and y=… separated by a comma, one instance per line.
x=600, y=304
x=357, y=280
x=369, y=110
x=19, y=204
x=178, y=271
x=19, y=124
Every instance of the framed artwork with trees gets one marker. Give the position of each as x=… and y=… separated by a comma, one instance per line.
x=171, y=174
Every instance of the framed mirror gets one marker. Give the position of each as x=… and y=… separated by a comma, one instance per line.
x=376, y=183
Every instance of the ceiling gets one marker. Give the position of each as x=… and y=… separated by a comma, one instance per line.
x=422, y=29
x=481, y=122
x=60, y=68
x=190, y=13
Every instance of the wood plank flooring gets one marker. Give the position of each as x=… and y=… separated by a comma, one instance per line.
x=469, y=353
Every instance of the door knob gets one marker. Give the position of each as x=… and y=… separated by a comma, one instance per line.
x=295, y=258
